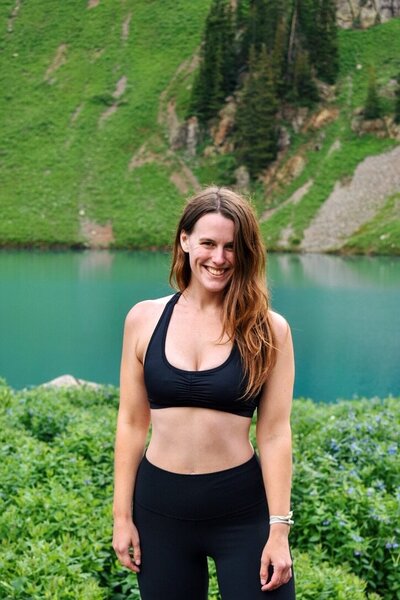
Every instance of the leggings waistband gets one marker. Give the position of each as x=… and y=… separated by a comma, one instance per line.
x=200, y=496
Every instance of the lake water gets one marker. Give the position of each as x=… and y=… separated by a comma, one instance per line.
x=63, y=312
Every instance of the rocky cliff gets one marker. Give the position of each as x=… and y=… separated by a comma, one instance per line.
x=365, y=13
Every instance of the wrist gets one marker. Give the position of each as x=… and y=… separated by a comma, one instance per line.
x=279, y=530
x=122, y=517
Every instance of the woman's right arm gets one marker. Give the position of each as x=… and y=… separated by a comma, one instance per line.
x=132, y=428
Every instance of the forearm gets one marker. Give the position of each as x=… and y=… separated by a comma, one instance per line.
x=276, y=463
x=129, y=448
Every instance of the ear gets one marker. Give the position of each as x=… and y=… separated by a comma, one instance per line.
x=184, y=238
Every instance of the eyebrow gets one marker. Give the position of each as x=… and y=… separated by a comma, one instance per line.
x=207, y=239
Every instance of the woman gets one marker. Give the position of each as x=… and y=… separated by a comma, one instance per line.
x=197, y=365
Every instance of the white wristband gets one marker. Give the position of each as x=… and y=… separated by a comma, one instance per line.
x=286, y=519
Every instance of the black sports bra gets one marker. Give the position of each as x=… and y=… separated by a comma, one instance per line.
x=220, y=388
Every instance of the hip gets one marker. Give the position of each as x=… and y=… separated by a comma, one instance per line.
x=203, y=496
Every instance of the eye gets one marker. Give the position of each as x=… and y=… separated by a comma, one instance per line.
x=207, y=243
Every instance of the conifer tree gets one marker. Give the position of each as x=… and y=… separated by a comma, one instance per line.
x=327, y=58
x=217, y=74
x=242, y=13
x=372, y=108
x=318, y=34
x=304, y=89
x=262, y=22
x=279, y=58
x=256, y=132
x=397, y=104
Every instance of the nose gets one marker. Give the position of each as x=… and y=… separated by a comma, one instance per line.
x=218, y=257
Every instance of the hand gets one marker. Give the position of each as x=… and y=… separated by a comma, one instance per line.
x=275, y=559
x=126, y=544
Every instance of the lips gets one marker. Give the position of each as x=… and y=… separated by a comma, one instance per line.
x=214, y=271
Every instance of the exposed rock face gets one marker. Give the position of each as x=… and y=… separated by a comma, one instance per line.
x=365, y=13
x=382, y=128
x=322, y=118
x=277, y=175
x=226, y=121
x=389, y=9
x=192, y=135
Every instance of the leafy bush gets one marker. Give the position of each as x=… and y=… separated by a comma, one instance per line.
x=56, y=495
x=346, y=487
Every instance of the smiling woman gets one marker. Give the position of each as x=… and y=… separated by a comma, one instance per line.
x=196, y=365
x=210, y=250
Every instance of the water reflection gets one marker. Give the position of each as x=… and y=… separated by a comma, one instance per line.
x=64, y=313
x=335, y=271
x=95, y=261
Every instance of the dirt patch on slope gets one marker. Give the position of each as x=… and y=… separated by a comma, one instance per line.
x=13, y=16
x=125, y=27
x=142, y=157
x=93, y=3
x=59, y=59
x=96, y=235
x=117, y=93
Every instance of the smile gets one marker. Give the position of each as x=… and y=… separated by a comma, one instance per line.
x=214, y=271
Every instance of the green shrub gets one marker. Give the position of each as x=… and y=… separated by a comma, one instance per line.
x=56, y=496
x=345, y=488
x=315, y=580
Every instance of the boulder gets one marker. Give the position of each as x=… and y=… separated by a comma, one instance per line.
x=70, y=381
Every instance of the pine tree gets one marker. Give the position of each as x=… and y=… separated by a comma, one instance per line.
x=216, y=78
x=372, y=108
x=279, y=58
x=242, y=13
x=256, y=133
x=304, y=88
x=327, y=59
x=318, y=34
x=262, y=21
x=397, y=104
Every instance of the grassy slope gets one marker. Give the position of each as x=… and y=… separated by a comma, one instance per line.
x=379, y=46
x=53, y=166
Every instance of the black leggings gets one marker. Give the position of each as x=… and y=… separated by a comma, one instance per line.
x=183, y=519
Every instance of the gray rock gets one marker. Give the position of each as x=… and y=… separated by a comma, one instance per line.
x=69, y=381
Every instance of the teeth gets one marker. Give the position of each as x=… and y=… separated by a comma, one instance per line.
x=215, y=271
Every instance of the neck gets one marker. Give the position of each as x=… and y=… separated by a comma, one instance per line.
x=202, y=299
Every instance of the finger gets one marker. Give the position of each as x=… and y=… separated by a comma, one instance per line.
x=137, y=554
x=126, y=561
x=265, y=571
x=280, y=576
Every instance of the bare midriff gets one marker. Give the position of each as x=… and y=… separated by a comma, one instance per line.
x=191, y=440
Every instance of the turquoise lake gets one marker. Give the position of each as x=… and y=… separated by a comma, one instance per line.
x=63, y=312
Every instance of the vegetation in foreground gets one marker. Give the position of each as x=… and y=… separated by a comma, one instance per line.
x=56, y=494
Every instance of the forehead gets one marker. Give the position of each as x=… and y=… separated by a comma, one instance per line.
x=214, y=225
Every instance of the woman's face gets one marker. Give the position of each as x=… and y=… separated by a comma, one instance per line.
x=211, y=252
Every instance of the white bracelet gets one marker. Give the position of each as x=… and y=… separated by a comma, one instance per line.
x=282, y=519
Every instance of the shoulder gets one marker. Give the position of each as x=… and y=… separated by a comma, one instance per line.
x=145, y=311
x=280, y=327
x=140, y=323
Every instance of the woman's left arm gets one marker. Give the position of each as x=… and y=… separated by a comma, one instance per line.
x=274, y=443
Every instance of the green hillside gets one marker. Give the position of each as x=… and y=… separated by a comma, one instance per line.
x=59, y=69
x=85, y=155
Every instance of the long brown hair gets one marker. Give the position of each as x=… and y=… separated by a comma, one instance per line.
x=246, y=300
